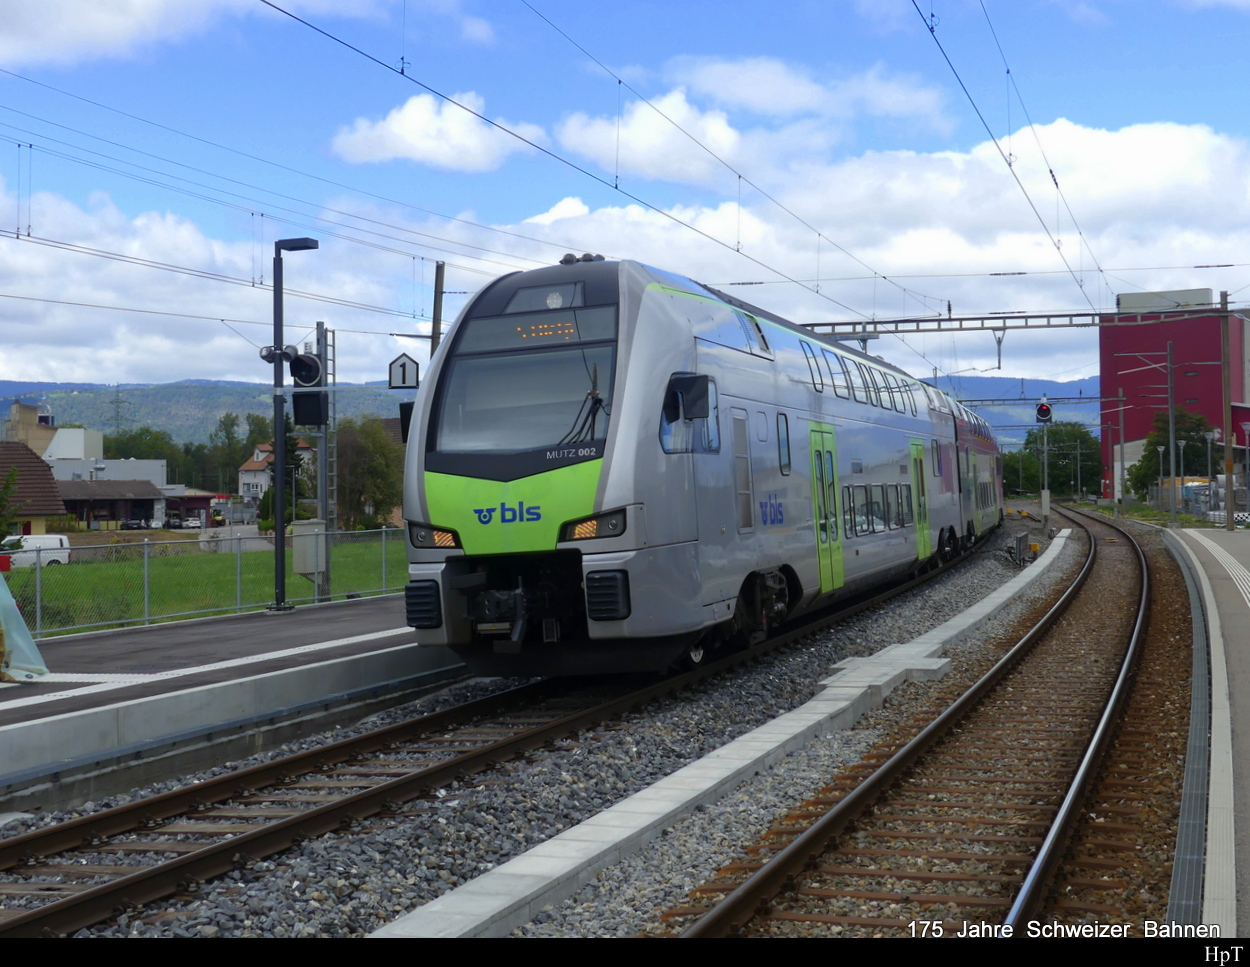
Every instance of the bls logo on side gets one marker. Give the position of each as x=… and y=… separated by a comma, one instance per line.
x=509, y=515
x=771, y=510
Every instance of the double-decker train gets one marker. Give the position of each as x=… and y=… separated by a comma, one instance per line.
x=612, y=468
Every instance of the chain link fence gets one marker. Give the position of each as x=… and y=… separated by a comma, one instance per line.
x=115, y=585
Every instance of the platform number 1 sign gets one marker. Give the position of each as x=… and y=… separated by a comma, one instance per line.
x=403, y=373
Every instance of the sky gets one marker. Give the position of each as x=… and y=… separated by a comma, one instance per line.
x=847, y=160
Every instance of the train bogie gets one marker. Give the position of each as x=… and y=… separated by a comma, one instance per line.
x=612, y=466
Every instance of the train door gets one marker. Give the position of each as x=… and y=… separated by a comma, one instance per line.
x=924, y=539
x=824, y=464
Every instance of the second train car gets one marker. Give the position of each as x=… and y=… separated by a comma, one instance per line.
x=611, y=467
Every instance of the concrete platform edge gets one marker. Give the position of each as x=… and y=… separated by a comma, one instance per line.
x=40, y=746
x=1219, y=903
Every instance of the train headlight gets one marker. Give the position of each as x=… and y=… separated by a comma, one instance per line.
x=611, y=524
x=423, y=535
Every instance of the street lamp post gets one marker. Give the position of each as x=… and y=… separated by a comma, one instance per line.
x=1160, y=449
x=280, y=356
x=1210, y=435
x=1180, y=447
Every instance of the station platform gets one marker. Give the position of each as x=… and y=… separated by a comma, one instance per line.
x=119, y=704
x=1219, y=564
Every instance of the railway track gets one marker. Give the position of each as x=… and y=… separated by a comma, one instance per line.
x=960, y=829
x=59, y=879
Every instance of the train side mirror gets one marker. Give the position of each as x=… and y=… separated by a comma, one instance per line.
x=687, y=397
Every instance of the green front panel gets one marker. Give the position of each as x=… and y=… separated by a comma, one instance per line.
x=924, y=540
x=514, y=516
x=823, y=465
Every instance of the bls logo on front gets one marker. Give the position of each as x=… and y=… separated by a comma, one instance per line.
x=509, y=515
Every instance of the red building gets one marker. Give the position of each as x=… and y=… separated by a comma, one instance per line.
x=1133, y=347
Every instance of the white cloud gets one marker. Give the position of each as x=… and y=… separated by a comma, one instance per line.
x=651, y=146
x=768, y=86
x=936, y=223
x=73, y=31
x=764, y=85
x=436, y=133
x=803, y=119
x=565, y=208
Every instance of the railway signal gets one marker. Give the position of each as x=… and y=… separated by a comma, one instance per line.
x=309, y=408
x=1044, y=413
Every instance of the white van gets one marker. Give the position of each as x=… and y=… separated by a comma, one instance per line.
x=36, y=549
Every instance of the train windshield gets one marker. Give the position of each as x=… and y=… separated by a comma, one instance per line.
x=536, y=381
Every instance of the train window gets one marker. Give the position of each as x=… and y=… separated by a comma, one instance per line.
x=709, y=435
x=896, y=392
x=870, y=385
x=682, y=428
x=876, y=379
x=818, y=381
x=717, y=323
x=848, y=515
x=857, y=382
x=936, y=462
x=838, y=379
x=506, y=403
x=909, y=400
x=755, y=334
x=904, y=492
x=742, y=471
x=863, y=515
x=893, y=514
x=878, y=508
x=832, y=492
x=783, y=442
x=821, y=509
x=537, y=298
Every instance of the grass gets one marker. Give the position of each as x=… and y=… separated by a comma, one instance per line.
x=105, y=587
x=1161, y=517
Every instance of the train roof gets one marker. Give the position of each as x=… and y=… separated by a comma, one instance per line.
x=602, y=280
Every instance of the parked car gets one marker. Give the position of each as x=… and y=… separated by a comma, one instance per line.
x=36, y=549
x=191, y=523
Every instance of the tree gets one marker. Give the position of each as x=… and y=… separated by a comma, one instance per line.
x=143, y=443
x=9, y=509
x=259, y=430
x=1190, y=430
x=371, y=472
x=1073, y=456
x=1021, y=472
x=226, y=450
x=292, y=464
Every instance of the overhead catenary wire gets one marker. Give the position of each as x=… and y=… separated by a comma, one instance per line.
x=1011, y=77
x=224, y=320
x=560, y=246
x=249, y=205
x=555, y=156
x=932, y=28
x=820, y=236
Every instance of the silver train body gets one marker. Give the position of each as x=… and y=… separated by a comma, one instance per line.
x=610, y=467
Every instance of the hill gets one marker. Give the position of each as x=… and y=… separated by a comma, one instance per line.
x=187, y=410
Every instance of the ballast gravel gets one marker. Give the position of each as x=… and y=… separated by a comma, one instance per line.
x=349, y=884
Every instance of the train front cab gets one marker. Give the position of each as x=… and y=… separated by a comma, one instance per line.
x=530, y=544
